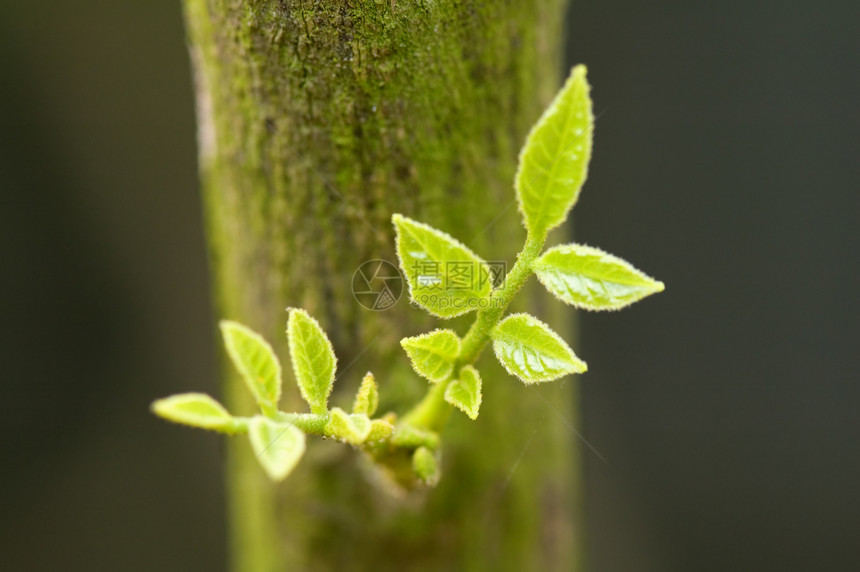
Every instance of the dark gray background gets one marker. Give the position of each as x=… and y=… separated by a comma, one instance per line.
x=726, y=164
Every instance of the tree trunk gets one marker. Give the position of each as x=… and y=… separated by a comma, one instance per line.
x=318, y=119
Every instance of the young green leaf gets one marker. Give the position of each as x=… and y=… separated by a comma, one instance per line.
x=591, y=279
x=313, y=359
x=197, y=410
x=367, y=398
x=531, y=351
x=255, y=360
x=444, y=276
x=433, y=354
x=554, y=160
x=425, y=465
x=465, y=392
x=278, y=446
x=380, y=430
x=352, y=429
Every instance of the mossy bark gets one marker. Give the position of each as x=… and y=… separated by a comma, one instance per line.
x=318, y=120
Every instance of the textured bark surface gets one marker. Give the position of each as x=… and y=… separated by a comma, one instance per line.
x=318, y=120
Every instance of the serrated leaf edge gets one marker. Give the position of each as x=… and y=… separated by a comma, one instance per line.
x=321, y=407
x=407, y=344
x=578, y=71
x=551, y=332
x=540, y=265
x=235, y=359
x=472, y=413
x=397, y=217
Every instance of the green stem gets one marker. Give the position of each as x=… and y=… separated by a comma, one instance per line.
x=432, y=412
x=307, y=422
x=268, y=409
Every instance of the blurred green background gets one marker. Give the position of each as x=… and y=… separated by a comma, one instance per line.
x=727, y=164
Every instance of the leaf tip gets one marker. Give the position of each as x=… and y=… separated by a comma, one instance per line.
x=158, y=406
x=292, y=310
x=225, y=325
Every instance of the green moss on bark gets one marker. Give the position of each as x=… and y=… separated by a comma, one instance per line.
x=318, y=119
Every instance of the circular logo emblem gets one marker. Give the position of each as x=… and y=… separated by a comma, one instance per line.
x=377, y=285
